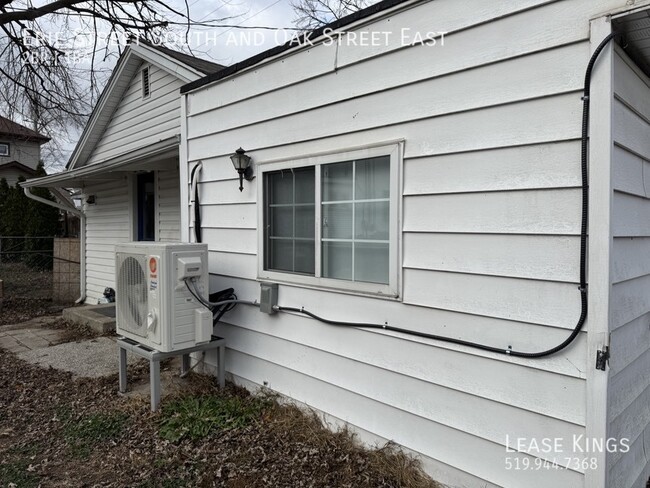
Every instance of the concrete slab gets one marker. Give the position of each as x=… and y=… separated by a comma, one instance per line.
x=98, y=317
x=93, y=358
x=20, y=340
x=11, y=344
x=30, y=324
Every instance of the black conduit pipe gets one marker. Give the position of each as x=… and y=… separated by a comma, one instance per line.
x=197, y=207
x=583, y=252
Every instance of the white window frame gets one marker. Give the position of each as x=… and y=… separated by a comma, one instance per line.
x=394, y=151
x=4, y=145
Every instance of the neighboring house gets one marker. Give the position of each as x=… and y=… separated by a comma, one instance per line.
x=126, y=162
x=20, y=151
x=432, y=188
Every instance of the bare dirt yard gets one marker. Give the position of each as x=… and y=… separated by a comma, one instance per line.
x=60, y=431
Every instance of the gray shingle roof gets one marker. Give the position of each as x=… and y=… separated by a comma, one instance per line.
x=17, y=131
x=206, y=67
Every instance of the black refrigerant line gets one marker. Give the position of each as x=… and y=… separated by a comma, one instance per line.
x=197, y=207
x=583, y=253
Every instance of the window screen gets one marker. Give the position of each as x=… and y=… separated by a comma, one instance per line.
x=354, y=216
x=355, y=220
x=290, y=218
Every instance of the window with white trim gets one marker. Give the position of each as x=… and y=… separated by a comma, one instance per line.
x=333, y=220
x=4, y=149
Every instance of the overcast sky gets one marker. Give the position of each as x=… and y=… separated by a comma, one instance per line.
x=230, y=45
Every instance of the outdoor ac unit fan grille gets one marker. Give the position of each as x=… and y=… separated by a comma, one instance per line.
x=132, y=294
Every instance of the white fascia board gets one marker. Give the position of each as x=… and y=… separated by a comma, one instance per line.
x=71, y=177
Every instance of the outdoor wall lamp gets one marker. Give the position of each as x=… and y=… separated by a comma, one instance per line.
x=242, y=164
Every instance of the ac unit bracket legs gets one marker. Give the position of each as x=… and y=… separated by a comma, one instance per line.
x=155, y=357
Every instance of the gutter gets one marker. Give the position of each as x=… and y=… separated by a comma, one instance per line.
x=82, y=243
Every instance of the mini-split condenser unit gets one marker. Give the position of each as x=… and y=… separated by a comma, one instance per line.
x=153, y=303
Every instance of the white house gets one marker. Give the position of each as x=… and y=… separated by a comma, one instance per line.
x=435, y=187
x=125, y=165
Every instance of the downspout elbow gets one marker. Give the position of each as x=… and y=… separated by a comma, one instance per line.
x=65, y=208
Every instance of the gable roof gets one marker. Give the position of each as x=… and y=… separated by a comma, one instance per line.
x=204, y=66
x=183, y=66
x=302, y=40
x=16, y=131
x=18, y=166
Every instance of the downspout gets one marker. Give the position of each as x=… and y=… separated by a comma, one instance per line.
x=82, y=232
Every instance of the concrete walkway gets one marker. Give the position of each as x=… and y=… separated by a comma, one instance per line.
x=29, y=335
x=35, y=343
x=92, y=358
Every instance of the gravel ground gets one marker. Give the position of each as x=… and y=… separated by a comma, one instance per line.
x=60, y=431
x=92, y=358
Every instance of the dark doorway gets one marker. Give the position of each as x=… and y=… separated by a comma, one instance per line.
x=146, y=207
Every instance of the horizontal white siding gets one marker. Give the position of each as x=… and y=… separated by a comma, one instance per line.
x=629, y=384
x=108, y=222
x=491, y=224
x=138, y=122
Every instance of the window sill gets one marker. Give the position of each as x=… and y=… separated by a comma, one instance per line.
x=352, y=288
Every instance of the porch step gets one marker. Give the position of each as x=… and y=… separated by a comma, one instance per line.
x=100, y=318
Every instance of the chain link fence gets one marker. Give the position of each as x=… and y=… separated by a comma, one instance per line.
x=39, y=275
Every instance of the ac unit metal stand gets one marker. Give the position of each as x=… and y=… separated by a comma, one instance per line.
x=155, y=357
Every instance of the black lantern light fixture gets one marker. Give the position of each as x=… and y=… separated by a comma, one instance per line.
x=242, y=164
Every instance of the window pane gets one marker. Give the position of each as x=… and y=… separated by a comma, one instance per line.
x=337, y=182
x=281, y=187
x=372, y=179
x=291, y=220
x=337, y=221
x=281, y=224
x=305, y=218
x=371, y=220
x=337, y=260
x=281, y=253
x=305, y=183
x=371, y=262
x=305, y=260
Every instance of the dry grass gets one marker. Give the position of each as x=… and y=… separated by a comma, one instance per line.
x=389, y=464
x=58, y=431
x=74, y=332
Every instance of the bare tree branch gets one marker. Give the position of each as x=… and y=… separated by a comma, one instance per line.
x=49, y=78
x=311, y=14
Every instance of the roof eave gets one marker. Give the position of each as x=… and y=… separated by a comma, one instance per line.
x=313, y=36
